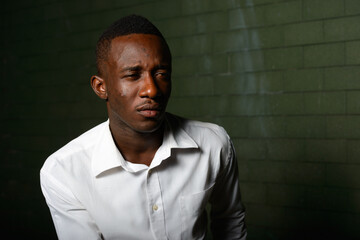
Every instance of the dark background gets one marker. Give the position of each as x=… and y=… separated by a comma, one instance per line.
x=282, y=77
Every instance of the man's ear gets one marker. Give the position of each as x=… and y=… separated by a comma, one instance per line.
x=99, y=87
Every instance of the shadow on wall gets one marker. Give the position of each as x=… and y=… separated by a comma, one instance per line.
x=297, y=178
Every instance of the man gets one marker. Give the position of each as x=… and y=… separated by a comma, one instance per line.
x=144, y=173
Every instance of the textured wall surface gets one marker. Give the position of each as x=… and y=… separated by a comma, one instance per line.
x=282, y=77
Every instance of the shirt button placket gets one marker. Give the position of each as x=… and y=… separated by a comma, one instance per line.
x=155, y=205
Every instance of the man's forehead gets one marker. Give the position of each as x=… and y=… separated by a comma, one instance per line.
x=136, y=43
x=136, y=38
x=133, y=50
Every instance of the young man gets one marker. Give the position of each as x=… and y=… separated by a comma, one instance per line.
x=144, y=173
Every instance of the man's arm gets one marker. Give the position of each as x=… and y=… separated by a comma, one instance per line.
x=70, y=218
x=227, y=212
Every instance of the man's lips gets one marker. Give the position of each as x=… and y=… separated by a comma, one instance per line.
x=150, y=110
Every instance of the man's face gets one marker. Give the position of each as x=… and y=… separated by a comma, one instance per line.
x=138, y=82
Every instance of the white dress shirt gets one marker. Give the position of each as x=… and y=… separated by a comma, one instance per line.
x=94, y=193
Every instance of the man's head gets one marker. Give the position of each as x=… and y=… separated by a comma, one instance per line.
x=134, y=64
x=124, y=26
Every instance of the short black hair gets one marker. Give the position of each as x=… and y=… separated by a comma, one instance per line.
x=124, y=26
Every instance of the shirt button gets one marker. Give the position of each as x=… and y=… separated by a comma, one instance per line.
x=155, y=207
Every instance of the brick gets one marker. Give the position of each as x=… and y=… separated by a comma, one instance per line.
x=246, y=17
x=325, y=150
x=284, y=12
x=241, y=3
x=324, y=55
x=284, y=58
x=286, y=104
x=268, y=82
x=250, y=148
x=268, y=37
x=167, y=9
x=84, y=110
x=212, y=22
x=303, y=80
x=176, y=106
x=176, y=47
x=34, y=127
x=260, y=82
x=352, y=7
x=352, y=50
x=27, y=15
x=76, y=58
x=243, y=171
x=34, y=143
x=326, y=198
x=249, y=105
x=353, y=151
x=354, y=201
x=286, y=149
x=213, y=64
x=267, y=127
x=247, y=61
x=235, y=84
x=193, y=86
x=336, y=127
x=318, y=9
x=303, y=33
x=262, y=2
x=191, y=7
x=147, y=9
x=74, y=8
x=341, y=175
x=212, y=106
x=184, y=66
x=280, y=223
x=305, y=173
x=52, y=28
x=266, y=171
x=236, y=126
x=305, y=126
x=342, y=29
x=24, y=111
x=341, y=78
x=353, y=103
x=325, y=103
x=352, y=126
x=175, y=27
x=81, y=41
x=285, y=195
x=39, y=62
x=197, y=45
x=230, y=41
x=253, y=192
x=52, y=11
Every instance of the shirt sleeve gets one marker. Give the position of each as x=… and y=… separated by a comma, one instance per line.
x=227, y=211
x=70, y=218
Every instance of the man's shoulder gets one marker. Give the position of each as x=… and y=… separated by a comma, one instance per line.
x=199, y=130
x=80, y=147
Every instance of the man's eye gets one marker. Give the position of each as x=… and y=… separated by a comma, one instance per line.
x=162, y=75
x=132, y=76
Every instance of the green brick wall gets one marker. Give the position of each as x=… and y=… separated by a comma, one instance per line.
x=282, y=77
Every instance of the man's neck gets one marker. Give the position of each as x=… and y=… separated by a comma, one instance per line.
x=137, y=147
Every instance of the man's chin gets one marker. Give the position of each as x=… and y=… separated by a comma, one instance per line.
x=151, y=126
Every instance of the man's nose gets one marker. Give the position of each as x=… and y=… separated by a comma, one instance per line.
x=149, y=87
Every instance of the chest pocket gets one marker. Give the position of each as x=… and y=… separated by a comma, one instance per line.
x=193, y=216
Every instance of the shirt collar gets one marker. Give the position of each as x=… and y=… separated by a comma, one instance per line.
x=107, y=156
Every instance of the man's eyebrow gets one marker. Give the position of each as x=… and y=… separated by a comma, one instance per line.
x=133, y=68
x=138, y=68
x=163, y=66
